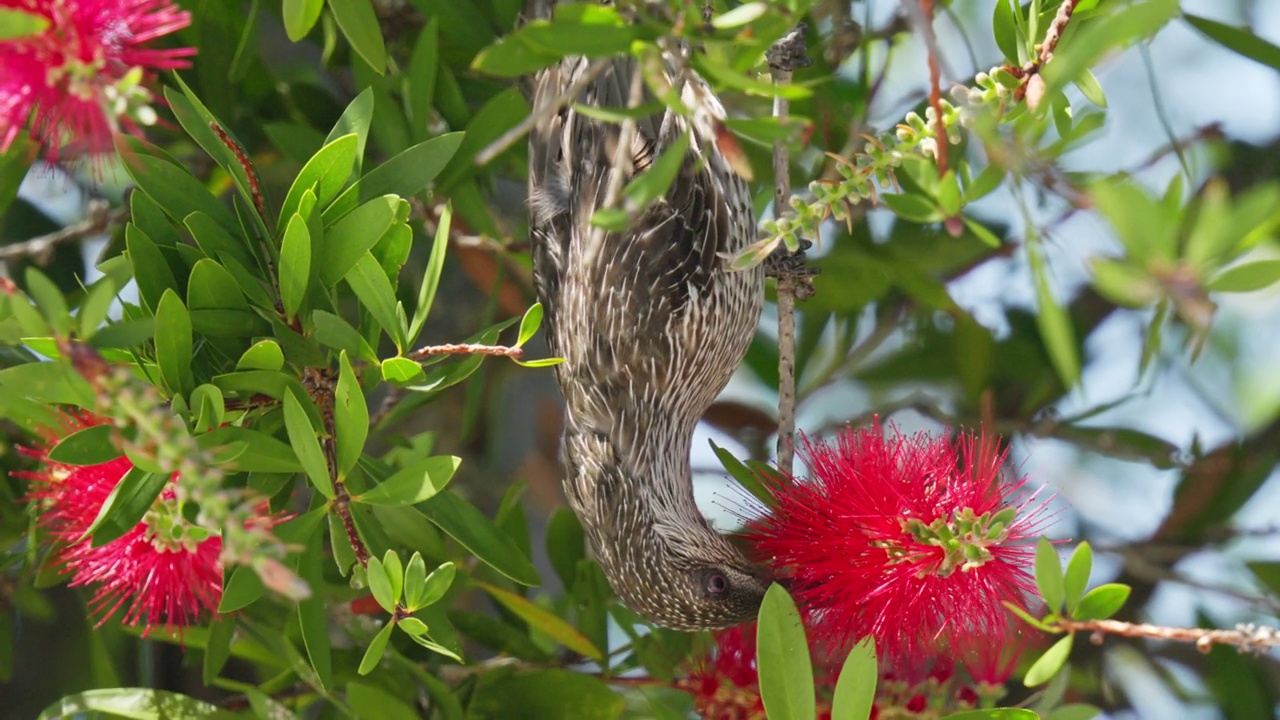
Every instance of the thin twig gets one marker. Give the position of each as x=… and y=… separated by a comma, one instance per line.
x=935, y=83
x=320, y=385
x=1056, y=28
x=539, y=114
x=100, y=218
x=510, y=351
x=1246, y=637
x=782, y=59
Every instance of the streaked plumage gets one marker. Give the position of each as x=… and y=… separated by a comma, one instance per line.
x=651, y=326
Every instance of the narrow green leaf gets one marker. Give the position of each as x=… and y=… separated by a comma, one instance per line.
x=422, y=75
x=432, y=588
x=370, y=284
x=544, y=621
x=218, y=650
x=313, y=613
x=656, y=181
x=529, y=323
x=136, y=704
x=1055, y=326
x=54, y=383
x=262, y=355
x=1241, y=40
x=744, y=476
x=90, y=446
x=332, y=331
x=354, y=235
x=265, y=454
x=782, y=655
x=415, y=579
x=377, y=648
x=173, y=343
x=380, y=585
x=302, y=436
x=124, y=507
x=395, y=574
x=404, y=175
x=1247, y=277
x=49, y=300
x=1049, y=663
x=410, y=486
x=359, y=24
x=350, y=417
x=855, y=691
x=400, y=371
x=243, y=588
x=1076, y=579
x=994, y=714
x=1091, y=89
x=324, y=174
x=1102, y=602
x=477, y=533
x=431, y=275
x=150, y=270
x=16, y=24
x=295, y=265
x=300, y=16
x=1049, y=575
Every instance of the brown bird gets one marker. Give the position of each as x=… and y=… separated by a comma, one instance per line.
x=651, y=325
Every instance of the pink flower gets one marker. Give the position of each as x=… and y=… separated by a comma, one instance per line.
x=163, y=571
x=79, y=79
x=916, y=541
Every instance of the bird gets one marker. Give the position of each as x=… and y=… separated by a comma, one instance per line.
x=651, y=324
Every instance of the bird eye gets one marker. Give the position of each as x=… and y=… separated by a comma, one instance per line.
x=717, y=584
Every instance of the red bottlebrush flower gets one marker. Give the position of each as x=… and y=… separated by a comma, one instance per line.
x=723, y=682
x=163, y=571
x=916, y=541
x=78, y=80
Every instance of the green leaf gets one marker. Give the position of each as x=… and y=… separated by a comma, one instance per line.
x=368, y=701
x=171, y=187
x=400, y=371
x=1074, y=711
x=1049, y=575
x=324, y=174
x=1246, y=277
x=198, y=122
x=782, y=654
x=431, y=275
x=49, y=300
x=377, y=648
x=915, y=208
x=354, y=235
x=656, y=181
x=413, y=626
x=370, y=284
x=415, y=579
x=300, y=16
x=855, y=691
x=359, y=24
x=544, y=621
x=1241, y=40
x=15, y=24
x=262, y=355
x=395, y=574
x=264, y=453
x=313, y=613
x=432, y=589
x=150, y=270
x=173, y=343
x=403, y=175
x=217, y=651
x=355, y=120
x=243, y=588
x=547, y=695
x=994, y=714
x=529, y=323
x=211, y=286
x=422, y=75
x=1005, y=28
x=1091, y=89
x=124, y=507
x=513, y=56
x=1055, y=326
x=1102, y=602
x=350, y=417
x=90, y=446
x=744, y=475
x=332, y=331
x=1133, y=22
x=477, y=533
x=414, y=484
x=1077, y=576
x=566, y=545
x=380, y=585
x=49, y=382
x=949, y=194
x=135, y=704
x=1049, y=663
x=302, y=436
x=295, y=265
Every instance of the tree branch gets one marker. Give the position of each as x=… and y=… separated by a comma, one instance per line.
x=100, y=218
x=1245, y=637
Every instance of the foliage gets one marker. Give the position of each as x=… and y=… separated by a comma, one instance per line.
x=318, y=301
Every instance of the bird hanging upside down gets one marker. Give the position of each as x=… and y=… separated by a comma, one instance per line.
x=651, y=325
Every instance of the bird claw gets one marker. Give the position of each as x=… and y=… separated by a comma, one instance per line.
x=793, y=268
